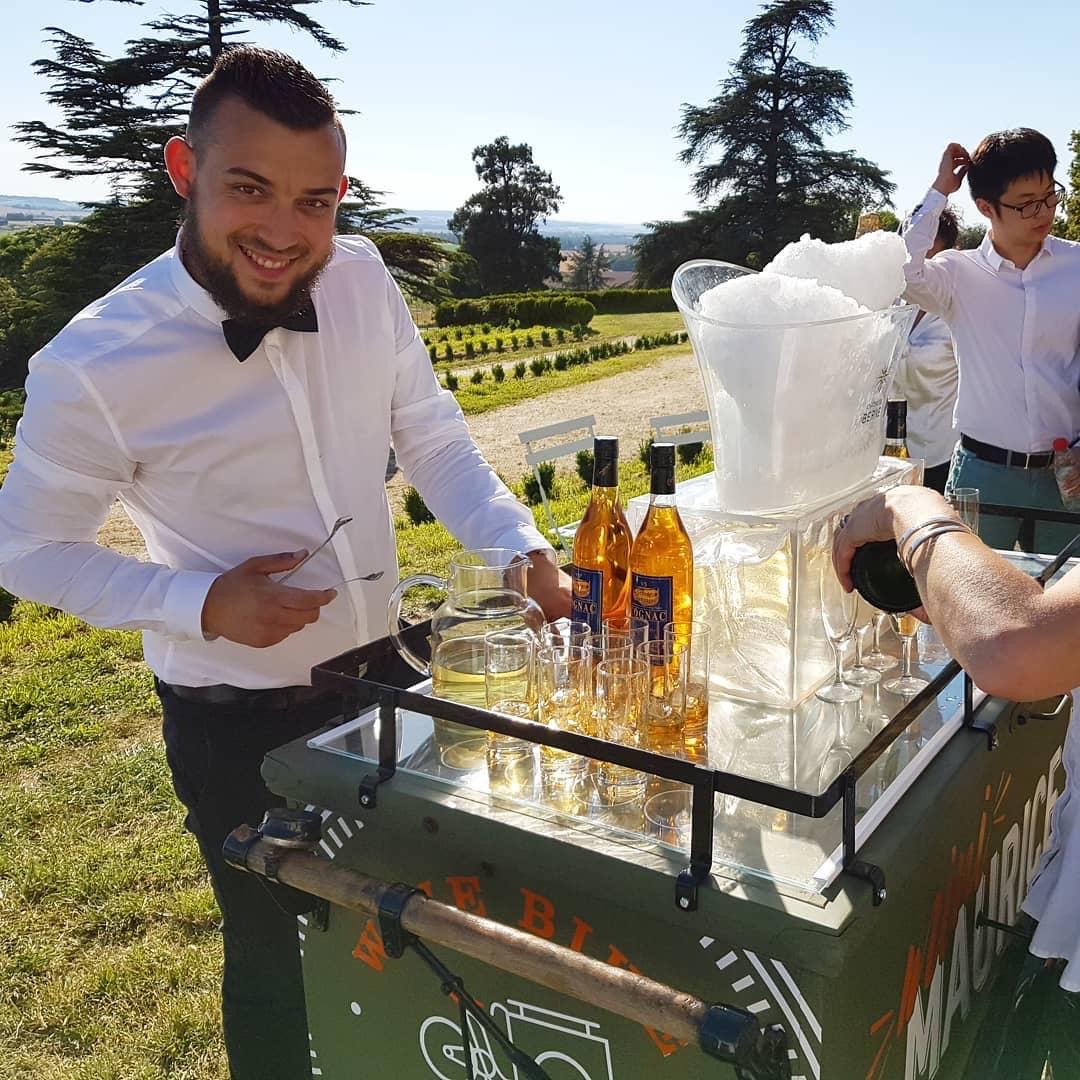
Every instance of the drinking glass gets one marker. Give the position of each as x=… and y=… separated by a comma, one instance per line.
x=665, y=703
x=876, y=658
x=906, y=683
x=619, y=716
x=688, y=643
x=510, y=688
x=638, y=630
x=562, y=632
x=965, y=501
x=861, y=673
x=668, y=816
x=564, y=701
x=838, y=609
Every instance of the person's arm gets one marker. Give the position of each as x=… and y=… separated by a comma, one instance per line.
x=929, y=283
x=437, y=453
x=69, y=465
x=1015, y=639
x=67, y=470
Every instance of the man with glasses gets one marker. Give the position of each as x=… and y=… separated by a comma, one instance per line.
x=1011, y=305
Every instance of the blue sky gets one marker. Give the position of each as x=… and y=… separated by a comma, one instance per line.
x=595, y=87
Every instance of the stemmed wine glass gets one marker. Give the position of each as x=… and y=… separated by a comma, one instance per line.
x=906, y=683
x=861, y=673
x=876, y=658
x=838, y=610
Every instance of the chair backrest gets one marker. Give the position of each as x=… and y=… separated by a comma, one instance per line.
x=666, y=428
x=550, y=442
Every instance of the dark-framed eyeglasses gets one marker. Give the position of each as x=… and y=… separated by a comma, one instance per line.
x=1035, y=207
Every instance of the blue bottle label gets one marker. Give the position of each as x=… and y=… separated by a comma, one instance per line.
x=587, y=603
x=651, y=599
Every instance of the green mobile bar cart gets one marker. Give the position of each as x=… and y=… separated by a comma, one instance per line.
x=853, y=855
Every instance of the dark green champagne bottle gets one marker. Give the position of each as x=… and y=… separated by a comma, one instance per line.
x=881, y=579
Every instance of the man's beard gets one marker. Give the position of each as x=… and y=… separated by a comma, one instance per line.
x=219, y=280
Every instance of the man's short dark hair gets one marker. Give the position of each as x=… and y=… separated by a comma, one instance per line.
x=1006, y=156
x=271, y=82
x=948, y=228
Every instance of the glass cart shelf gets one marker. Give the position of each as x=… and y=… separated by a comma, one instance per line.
x=783, y=796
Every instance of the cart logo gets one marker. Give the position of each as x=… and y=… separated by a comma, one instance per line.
x=989, y=880
x=646, y=596
x=766, y=988
x=548, y=1037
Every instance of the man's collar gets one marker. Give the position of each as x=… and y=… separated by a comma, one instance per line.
x=191, y=292
x=995, y=259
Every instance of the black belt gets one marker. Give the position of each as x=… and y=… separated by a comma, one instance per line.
x=1012, y=458
x=274, y=697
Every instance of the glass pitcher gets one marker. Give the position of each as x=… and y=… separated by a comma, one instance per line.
x=485, y=592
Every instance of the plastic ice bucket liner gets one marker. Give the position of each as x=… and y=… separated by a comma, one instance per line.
x=797, y=410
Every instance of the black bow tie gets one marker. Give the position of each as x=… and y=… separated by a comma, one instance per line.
x=244, y=336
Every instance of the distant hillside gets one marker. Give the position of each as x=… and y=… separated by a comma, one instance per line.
x=570, y=233
x=35, y=202
x=433, y=222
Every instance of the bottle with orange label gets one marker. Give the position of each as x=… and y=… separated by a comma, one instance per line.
x=601, y=567
x=662, y=559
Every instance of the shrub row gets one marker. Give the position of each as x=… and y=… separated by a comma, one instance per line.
x=560, y=361
x=552, y=309
x=444, y=349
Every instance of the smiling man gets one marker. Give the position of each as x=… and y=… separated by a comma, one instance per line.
x=239, y=395
x=1011, y=305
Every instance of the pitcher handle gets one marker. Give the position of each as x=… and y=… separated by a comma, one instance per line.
x=393, y=617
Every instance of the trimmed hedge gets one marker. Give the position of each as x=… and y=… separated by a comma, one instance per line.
x=500, y=310
x=629, y=301
x=526, y=309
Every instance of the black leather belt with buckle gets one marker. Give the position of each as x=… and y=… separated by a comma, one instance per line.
x=1013, y=458
x=274, y=697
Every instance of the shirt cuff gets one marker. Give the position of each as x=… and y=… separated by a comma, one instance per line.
x=933, y=202
x=523, y=538
x=183, y=607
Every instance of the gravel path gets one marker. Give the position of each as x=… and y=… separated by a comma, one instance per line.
x=621, y=404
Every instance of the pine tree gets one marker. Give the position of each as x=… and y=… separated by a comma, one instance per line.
x=763, y=172
x=497, y=225
x=117, y=115
x=589, y=265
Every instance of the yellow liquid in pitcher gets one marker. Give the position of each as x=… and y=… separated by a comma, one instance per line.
x=457, y=674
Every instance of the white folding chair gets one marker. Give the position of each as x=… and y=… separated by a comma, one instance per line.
x=667, y=428
x=539, y=448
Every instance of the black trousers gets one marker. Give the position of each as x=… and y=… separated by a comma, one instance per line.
x=215, y=752
x=935, y=477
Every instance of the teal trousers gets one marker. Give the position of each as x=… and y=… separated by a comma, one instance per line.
x=1008, y=486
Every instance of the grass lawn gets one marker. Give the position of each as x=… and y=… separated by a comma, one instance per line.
x=109, y=955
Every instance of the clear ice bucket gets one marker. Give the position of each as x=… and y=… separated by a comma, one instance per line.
x=797, y=410
x=756, y=583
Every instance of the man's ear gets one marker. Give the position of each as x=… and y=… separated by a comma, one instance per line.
x=343, y=187
x=986, y=208
x=180, y=165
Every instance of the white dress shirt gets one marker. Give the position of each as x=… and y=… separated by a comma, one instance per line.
x=139, y=397
x=926, y=378
x=1017, y=333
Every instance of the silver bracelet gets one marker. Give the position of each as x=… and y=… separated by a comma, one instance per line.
x=932, y=534
x=941, y=519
